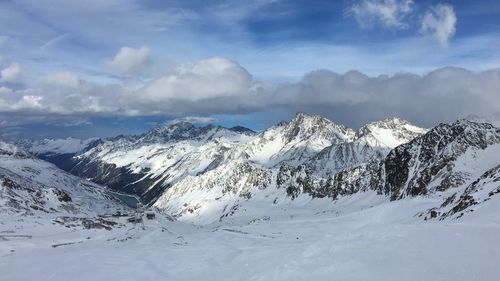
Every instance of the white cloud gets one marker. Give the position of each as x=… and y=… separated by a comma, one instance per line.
x=129, y=60
x=11, y=73
x=389, y=13
x=440, y=23
x=214, y=77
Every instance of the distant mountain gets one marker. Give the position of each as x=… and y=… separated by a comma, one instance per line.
x=146, y=165
x=493, y=119
x=296, y=141
x=55, y=146
x=57, y=151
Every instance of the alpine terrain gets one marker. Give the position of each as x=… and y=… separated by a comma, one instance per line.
x=307, y=198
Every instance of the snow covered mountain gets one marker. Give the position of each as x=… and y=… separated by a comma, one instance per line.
x=57, y=151
x=207, y=173
x=149, y=164
x=323, y=195
x=457, y=161
x=55, y=146
x=372, y=142
x=296, y=141
x=32, y=186
x=456, y=164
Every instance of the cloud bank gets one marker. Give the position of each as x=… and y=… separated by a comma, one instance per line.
x=221, y=86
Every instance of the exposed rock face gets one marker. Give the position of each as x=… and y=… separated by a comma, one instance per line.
x=410, y=168
x=479, y=191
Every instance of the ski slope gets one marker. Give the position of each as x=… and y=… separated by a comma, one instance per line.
x=361, y=237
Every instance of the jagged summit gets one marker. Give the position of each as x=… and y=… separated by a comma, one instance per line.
x=493, y=119
x=183, y=130
x=175, y=131
x=371, y=143
x=309, y=125
x=296, y=141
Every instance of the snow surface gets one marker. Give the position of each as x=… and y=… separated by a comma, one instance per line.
x=58, y=146
x=31, y=173
x=361, y=237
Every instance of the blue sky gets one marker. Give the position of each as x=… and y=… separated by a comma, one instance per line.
x=80, y=68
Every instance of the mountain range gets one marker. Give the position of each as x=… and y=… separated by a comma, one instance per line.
x=209, y=173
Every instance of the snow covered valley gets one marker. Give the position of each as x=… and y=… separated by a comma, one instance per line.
x=305, y=199
x=363, y=237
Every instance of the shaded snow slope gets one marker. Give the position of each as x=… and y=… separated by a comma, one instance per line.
x=55, y=146
x=32, y=186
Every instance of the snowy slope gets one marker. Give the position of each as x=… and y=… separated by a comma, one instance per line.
x=32, y=186
x=55, y=146
x=372, y=142
x=146, y=165
x=296, y=141
x=360, y=237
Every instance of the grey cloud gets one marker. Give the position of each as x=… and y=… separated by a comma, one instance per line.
x=221, y=86
x=354, y=98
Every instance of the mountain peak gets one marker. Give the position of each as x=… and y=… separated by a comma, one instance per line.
x=301, y=116
x=389, y=132
x=305, y=126
x=243, y=130
x=171, y=131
